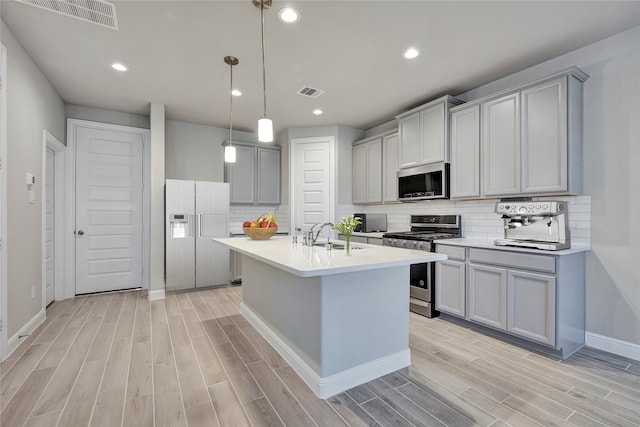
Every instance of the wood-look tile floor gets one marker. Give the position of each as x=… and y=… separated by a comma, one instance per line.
x=192, y=359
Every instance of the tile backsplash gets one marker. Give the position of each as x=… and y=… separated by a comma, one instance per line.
x=478, y=217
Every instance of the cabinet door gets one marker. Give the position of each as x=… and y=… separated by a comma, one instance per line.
x=374, y=171
x=242, y=175
x=488, y=296
x=432, y=134
x=390, y=166
x=465, y=153
x=408, y=132
x=501, y=145
x=450, y=287
x=268, y=183
x=531, y=306
x=359, y=174
x=544, y=138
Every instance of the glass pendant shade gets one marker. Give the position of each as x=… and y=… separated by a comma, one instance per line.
x=265, y=130
x=229, y=154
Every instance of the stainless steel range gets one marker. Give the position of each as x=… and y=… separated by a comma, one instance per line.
x=425, y=230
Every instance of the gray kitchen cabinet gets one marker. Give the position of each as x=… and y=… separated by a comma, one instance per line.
x=465, y=153
x=390, y=166
x=488, y=296
x=367, y=171
x=359, y=172
x=545, y=138
x=241, y=175
x=268, y=185
x=531, y=306
x=451, y=283
x=530, y=140
x=423, y=133
x=255, y=176
x=357, y=239
x=501, y=145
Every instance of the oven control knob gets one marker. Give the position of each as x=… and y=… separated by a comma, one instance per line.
x=420, y=245
x=415, y=244
x=522, y=209
x=421, y=283
x=404, y=243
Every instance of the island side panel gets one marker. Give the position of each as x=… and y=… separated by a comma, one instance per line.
x=289, y=305
x=365, y=318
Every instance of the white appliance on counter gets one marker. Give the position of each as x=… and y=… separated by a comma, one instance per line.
x=195, y=212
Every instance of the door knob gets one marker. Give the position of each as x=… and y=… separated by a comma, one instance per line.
x=80, y=233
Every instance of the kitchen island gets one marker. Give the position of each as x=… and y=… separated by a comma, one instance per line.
x=339, y=320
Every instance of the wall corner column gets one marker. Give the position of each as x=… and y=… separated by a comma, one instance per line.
x=156, y=211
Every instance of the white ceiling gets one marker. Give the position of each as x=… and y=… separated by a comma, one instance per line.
x=350, y=49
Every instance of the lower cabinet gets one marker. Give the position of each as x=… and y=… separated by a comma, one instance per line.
x=450, y=287
x=363, y=239
x=531, y=306
x=539, y=298
x=451, y=294
x=488, y=295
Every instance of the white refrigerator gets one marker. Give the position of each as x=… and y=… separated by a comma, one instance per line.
x=195, y=212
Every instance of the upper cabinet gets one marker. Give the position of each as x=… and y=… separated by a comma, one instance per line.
x=375, y=166
x=367, y=171
x=465, y=152
x=255, y=176
x=423, y=133
x=523, y=141
x=390, y=166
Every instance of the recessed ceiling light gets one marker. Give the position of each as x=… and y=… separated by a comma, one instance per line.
x=236, y=92
x=317, y=111
x=288, y=15
x=118, y=66
x=411, y=53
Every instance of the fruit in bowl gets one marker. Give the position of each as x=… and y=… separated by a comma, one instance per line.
x=262, y=228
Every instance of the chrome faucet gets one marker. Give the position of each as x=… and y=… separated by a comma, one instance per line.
x=314, y=238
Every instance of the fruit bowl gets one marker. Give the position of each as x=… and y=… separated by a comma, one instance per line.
x=260, y=233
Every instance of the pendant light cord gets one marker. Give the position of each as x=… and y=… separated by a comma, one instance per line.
x=231, y=106
x=264, y=78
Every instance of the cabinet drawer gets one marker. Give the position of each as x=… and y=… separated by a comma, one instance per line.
x=514, y=259
x=453, y=252
x=374, y=241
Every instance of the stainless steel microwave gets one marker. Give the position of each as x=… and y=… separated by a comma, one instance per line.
x=424, y=182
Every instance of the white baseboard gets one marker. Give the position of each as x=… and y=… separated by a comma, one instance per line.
x=27, y=329
x=156, y=295
x=613, y=345
x=325, y=387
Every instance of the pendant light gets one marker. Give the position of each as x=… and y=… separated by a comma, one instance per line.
x=265, y=125
x=229, y=149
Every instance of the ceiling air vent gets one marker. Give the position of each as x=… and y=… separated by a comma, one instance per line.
x=98, y=12
x=310, y=92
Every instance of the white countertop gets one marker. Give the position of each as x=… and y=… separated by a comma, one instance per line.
x=489, y=244
x=305, y=261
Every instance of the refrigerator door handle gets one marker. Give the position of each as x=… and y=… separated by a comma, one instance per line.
x=192, y=223
x=198, y=225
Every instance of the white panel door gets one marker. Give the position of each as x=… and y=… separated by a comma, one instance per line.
x=108, y=210
x=312, y=184
x=50, y=253
x=212, y=220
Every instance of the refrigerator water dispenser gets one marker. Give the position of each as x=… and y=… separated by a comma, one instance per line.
x=179, y=226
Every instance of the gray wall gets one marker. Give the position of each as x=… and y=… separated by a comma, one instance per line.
x=195, y=151
x=32, y=106
x=611, y=155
